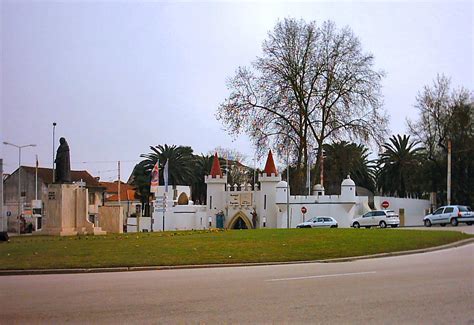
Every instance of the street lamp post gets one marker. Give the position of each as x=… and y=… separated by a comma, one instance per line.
x=19, y=175
x=54, y=128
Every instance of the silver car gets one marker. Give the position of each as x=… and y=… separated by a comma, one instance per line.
x=318, y=222
x=381, y=218
x=453, y=214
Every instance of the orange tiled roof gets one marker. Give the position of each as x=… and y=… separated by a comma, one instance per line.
x=125, y=195
x=112, y=187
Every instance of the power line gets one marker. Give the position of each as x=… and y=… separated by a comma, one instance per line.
x=104, y=161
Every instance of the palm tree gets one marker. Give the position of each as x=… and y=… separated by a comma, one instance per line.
x=398, y=165
x=141, y=181
x=202, y=168
x=344, y=158
x=180, y=163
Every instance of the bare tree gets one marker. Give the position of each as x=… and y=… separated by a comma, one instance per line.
x=436, y=105
x=234, y=165
x=310, y=85
x=446, y=114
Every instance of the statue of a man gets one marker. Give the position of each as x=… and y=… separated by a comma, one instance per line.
x=63, y=163
x=254, y=218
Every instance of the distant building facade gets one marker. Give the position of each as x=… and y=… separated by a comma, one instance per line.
x=31, y=209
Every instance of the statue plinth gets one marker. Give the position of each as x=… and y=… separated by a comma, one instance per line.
x=67, y=211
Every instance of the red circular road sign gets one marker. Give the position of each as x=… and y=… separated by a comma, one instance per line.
x=303, y=210
x=385, y=204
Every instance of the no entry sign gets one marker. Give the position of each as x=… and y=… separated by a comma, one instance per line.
x=385, y=204
x=303, y=210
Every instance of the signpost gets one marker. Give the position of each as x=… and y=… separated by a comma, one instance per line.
x=303, y=211
x=160, y=206
x=385, y=204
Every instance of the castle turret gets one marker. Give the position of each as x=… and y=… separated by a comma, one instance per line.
x=281, y=192
x=318, y=190
x=216, y=184
x=268, y=182
x=348, y=190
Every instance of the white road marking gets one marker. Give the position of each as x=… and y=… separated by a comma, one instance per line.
x=320, y=276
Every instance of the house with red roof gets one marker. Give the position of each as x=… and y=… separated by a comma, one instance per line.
x=127, y=198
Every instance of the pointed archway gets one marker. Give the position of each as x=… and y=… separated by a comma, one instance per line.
x=239, y=221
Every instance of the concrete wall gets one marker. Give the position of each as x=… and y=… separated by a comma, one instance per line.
x=415, y=209
x=174, y=191
x=128, y=207
x=343, y=213
x=110, y=220
x=182, y=217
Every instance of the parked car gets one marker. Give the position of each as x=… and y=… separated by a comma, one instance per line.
x=381, y=218
x=453, y=214
x=316, y=222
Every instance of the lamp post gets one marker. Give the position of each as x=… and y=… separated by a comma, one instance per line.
x=54, y=128
x=19, y=175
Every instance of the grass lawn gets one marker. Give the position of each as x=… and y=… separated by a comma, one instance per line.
x=204, y=247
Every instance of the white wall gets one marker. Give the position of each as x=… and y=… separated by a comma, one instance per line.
x=415, y=209
x=181, y=217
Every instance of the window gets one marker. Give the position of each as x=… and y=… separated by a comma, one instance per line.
x=464, y=209
x=320, y=219
x=439, y=211
x=368, y=215
x=449, y=210
x=379, y=213
x=91, y=198
x=264, y=202
x=210, y=202
x=327, y=219
x=23, y=194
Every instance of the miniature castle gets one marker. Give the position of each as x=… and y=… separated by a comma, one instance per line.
x=271, y=205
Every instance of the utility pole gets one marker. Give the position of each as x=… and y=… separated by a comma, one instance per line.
x=118, y=191
x=36, y=179
x=449, y=173
x=288, y=186
x=54, y=174
x=308, y=172
x=321, y=174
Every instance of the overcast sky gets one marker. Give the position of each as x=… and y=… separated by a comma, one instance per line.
x=118, y=77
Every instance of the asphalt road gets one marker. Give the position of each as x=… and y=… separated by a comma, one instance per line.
x=436, y=287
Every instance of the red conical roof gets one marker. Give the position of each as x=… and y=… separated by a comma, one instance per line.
x=216, y=167
x=270, y=165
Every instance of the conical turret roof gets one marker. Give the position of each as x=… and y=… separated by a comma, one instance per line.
x=216, y=167
x=270, y=165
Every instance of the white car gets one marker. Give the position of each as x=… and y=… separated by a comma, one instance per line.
x=317, y=222
x=381, y=218
x=453, y=214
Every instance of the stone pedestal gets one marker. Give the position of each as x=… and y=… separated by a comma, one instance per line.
x=67, y=211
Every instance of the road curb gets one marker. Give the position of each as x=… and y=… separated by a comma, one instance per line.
x=203, y=266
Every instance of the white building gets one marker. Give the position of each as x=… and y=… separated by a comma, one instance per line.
x=271, y=205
